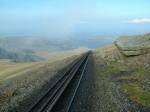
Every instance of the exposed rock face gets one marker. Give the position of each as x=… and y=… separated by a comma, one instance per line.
x=134, y=45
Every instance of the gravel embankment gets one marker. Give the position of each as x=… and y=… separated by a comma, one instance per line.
x=94, y=94
x=109, y=74
x=100, y=92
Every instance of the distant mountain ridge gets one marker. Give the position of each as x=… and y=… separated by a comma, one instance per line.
x=27, y=43
x=36, y=47
x=26, y=49
x=18, y=57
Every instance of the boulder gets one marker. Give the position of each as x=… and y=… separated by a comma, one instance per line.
x=133, y=45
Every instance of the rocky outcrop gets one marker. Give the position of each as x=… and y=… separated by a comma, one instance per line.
x=133, y=45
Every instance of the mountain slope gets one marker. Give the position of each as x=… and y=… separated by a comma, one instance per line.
x=21, y=83
x=127, y=75
x=18, y=57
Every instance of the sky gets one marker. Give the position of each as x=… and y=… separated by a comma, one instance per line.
x=74, y=18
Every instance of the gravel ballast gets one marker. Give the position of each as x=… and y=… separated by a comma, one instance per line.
x=94, y=93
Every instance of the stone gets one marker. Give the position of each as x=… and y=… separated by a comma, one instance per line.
x=133, y=45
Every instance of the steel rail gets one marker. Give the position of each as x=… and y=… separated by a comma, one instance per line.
x=58, y=89
x=78, y=84
x=61, y=90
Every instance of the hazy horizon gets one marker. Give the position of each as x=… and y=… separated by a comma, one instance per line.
x=64, y=19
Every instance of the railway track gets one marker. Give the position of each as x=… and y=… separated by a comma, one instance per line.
x=60, y=96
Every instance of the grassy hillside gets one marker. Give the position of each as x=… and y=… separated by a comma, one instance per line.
x=130, y=75
x=9, y=69
x=18, y=81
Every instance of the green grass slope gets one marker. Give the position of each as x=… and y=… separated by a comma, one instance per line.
x=130, y=74
x=19, y=81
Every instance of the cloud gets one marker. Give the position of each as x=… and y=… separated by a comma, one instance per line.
x=139, y=21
